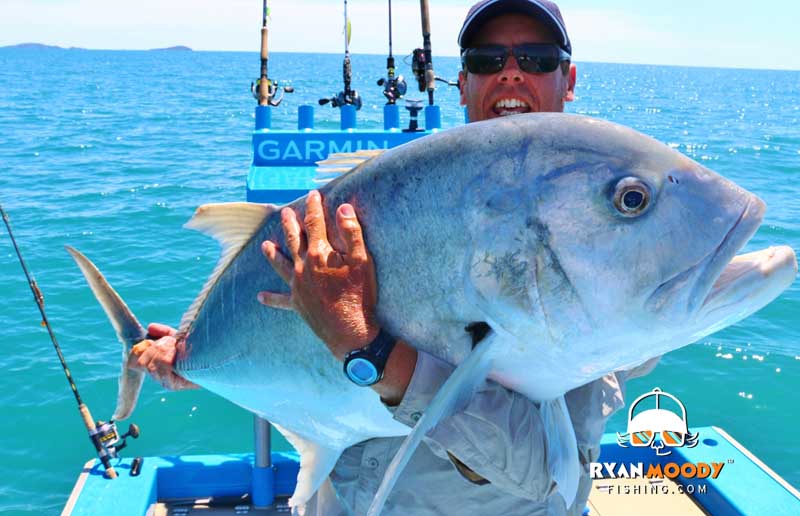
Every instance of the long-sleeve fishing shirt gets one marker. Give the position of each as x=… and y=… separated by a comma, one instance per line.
x=488, y=458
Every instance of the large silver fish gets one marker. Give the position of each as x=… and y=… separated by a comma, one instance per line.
x=587, y=247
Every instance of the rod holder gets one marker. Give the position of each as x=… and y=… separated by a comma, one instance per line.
x=391, y=117
x=263, y=117
x=305, y=117
x=433, y=118
x=348, y=114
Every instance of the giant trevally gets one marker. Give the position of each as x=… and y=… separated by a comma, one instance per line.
x=586, y=247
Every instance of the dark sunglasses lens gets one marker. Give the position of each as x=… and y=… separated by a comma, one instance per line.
x=483, y=60
x=537, y=58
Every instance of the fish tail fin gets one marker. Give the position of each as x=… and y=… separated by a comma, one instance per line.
x=562, y=447
x=316, y=463
x=458, y=389
x=128, y=329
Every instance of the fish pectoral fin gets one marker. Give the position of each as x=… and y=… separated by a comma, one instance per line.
x=316, y=463
x=128, y=329
x=455, y=392
x=562, y=447
x=341, y=163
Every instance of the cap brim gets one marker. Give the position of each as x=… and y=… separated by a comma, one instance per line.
x=495, y=8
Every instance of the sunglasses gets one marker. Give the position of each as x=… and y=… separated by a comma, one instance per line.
x=531, y=58
x=646, y=437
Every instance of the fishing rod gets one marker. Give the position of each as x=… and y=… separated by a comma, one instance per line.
x=422, y=58
x=104, y=436
x=394, y=87
x=425, y=75
x=264, y=89
x=347, y=96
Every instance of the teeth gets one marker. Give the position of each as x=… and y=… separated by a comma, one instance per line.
x=510, y=104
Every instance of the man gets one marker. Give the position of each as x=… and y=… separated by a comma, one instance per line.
x=489, y=457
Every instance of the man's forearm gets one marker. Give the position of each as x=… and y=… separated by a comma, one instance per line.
x=397, y=374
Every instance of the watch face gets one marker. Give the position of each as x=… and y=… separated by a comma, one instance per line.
x=362, y=371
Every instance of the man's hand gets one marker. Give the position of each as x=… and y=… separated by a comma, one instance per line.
x=335, y=292
x=157, y=357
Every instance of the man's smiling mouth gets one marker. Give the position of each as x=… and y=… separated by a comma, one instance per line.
x=510, y=106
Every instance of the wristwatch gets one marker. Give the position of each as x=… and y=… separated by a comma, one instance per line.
x=365, y=366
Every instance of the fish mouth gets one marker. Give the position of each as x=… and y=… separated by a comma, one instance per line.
x=724, y=288
x=715, y=264
x=730, y=287
x=699, y=279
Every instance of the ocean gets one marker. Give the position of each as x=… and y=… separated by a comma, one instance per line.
x=111, y=152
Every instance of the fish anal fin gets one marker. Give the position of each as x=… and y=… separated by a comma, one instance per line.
x=316, y=463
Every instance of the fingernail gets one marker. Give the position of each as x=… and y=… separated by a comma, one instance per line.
x=347, y=211
x=261, y=297
x=313, y=195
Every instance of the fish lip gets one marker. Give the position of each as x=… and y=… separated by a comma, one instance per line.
x=737, y=237
x=710, y=267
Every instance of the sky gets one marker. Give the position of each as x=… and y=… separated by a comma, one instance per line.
x=722, y=33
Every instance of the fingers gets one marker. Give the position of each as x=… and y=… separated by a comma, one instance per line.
x=275, y=300
x=314, y=222
x=294, y=236
x=351, y=233
x=159, y=330
x=158, y=358
x=279, y=262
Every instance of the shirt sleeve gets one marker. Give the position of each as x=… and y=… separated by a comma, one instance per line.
x=498, y=435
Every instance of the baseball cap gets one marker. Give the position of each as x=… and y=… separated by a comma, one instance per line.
x=545, y=11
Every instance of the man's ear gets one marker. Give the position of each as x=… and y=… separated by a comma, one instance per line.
x=571, y=77
x=462, y=87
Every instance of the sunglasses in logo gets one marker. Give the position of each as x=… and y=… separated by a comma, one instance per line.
x=531, y=58
x=646, y=437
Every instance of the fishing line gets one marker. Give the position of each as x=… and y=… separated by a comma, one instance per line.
x=104, y=436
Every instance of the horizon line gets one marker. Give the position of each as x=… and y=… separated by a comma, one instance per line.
x=186, y=48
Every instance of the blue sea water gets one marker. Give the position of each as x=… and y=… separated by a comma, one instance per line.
x=111, y=151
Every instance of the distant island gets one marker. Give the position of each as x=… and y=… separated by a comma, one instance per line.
x=42, y=46
x=179, y=48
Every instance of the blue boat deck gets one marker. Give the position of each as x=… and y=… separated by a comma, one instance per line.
x=224, y=483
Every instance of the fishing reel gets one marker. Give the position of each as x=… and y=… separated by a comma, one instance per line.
x=418, y=64
x=394, y=86
x=343, y=98
x=107, y=435
x=272, y=89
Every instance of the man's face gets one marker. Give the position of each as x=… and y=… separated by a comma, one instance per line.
x=488, y=95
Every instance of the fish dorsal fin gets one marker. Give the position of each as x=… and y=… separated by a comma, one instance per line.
x=233, y=225
x=340, y=163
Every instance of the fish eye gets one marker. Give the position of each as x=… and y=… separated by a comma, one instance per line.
x=631, y=197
